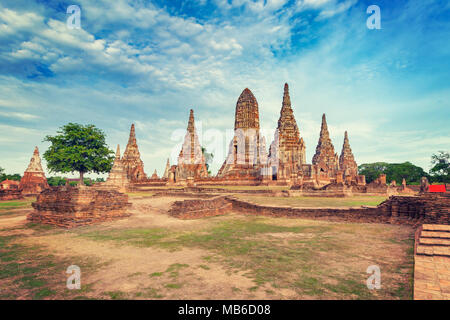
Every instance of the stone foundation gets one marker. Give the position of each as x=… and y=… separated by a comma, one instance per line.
x=197, y=208
x=70, y=207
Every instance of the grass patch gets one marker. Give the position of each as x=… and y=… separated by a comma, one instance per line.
x=16, y=204
x=116, y=295
x=31, y=273
x=173, y=285
x=156, y=274
x=204, y=267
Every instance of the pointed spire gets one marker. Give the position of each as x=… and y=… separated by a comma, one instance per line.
x=324, y=126
x=191, y=123
x=132, y=138
x=118, y=152
x=346, y=159
x=132, y=159
x=286, y=98
x=325, y=156
x=166, y=171
x=35, y=162
x=346, y=142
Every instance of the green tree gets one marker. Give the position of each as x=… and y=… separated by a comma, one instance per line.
x=440, y=171
x=78, y=148
x=56, y=181
x=393, y=171
x=372, y=170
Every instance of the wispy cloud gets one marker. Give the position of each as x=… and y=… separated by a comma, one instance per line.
x=141, y=62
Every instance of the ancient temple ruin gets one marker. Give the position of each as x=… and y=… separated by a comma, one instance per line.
x=249, y=163
x=347, y=163
x=325, y=158
x=132, y=159
x=34, y=180
x=287, y=151
x=247, y=153
x=191, y=161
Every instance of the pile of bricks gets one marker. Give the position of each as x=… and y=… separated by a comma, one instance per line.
x=432, y=262
x=70, y=207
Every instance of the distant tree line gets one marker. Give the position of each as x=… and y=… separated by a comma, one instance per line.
x=4, y=176
x=439, y=172
x=52, y=181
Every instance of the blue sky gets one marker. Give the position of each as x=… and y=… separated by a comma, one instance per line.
x=149, y=62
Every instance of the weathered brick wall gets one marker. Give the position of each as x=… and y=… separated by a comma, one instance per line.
x=429, y=208
x=395, y=210
x=74, y=206
x=10, y=194
x=198, y=208
x=331, y=214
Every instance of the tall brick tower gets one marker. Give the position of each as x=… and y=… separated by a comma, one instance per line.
x=287, y=151
x=347, y=161
x=325, y=157
x=131, y=159
x=191, y=162
x=247, y=150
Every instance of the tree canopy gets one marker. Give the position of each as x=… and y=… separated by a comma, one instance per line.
x=440, y=171
x=80, y=148
x=393, y=171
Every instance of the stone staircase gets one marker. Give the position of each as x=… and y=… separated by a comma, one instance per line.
x=432, y=263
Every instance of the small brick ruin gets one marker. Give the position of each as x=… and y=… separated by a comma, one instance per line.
x=70, y=207
x=198, y=208
x=9, y=190
x=34, y=180
x=117, y=177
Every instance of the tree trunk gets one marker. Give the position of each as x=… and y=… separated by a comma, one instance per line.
x=81, y=178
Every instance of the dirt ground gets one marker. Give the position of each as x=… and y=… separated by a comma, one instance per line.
x=151, y=255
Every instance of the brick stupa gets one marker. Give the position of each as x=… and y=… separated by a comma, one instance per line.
x=154, y=176
x=347, y=161
x=247, y=150
x=287, y=151
x=118, y=176
x=34, y=180
x=325, y=158
x=132, y=160
x=191, y=161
